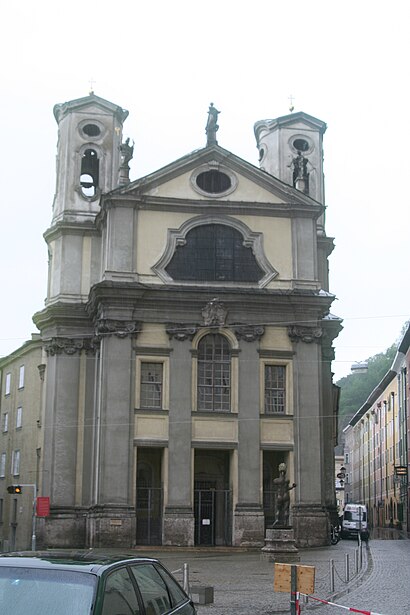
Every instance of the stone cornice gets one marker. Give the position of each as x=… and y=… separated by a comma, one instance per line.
x=205, y=206
x=70, y=346
x=70, y=228
x=119, y=328
x=248, y=333
x=181, y=332
x=308, y=335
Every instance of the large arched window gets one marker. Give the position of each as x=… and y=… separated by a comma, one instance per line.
x=214, y=253
x=214, y=373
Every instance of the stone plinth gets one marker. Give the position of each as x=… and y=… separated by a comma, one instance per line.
x=280, y=545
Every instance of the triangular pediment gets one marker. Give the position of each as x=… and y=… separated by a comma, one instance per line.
x=299, y=121
x=92, y=104
x=248, y=183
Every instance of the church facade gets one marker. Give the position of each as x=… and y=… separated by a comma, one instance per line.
x=187, y=339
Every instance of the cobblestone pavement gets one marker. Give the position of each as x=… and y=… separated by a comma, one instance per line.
x=243, y=581
x=385, y=587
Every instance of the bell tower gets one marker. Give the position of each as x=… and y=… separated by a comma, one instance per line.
x=88, y=155
x=89, y=160
x=291, y=149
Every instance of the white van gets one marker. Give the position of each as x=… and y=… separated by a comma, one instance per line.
x=355, y=521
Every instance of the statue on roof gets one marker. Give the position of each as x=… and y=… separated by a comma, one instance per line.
x=127, y=151
x=212, y=125
x=300, y=173
x=126, y=154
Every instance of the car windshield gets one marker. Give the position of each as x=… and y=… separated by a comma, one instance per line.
x=37, y=591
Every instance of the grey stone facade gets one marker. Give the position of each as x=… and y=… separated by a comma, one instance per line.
x=177, y=383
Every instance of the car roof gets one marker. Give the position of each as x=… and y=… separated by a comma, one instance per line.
x=79, y=561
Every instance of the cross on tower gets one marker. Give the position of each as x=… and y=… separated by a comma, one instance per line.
x=92, y=81
x=291, y=99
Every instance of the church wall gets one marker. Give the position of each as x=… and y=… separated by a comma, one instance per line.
x=246, y=190
x=109, y=285
x=153, y=232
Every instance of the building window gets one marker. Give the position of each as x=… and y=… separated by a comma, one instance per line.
x=151, y=385
x=8, y=384
x=214, y=253
x=213, y=181
x=3, y=465
x=21, y=377
x=1, y=510
x=15, y=466
x=5, y=422
x=346, y=457
x=214, y=373
x=19, y=417
x=275, y=389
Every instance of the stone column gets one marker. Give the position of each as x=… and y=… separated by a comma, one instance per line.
x=309, y=512
x=179, y=525
x=66, y=525
x=112, y=517
x=248, y=515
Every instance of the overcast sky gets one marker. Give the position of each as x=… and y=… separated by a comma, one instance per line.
x=165, y=61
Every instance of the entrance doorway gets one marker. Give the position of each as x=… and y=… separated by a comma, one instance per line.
x=149, y=496
x=212, y=498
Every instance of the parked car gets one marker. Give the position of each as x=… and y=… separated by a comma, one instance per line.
x=85, y=583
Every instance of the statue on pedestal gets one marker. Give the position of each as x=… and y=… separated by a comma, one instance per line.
x=282, y=486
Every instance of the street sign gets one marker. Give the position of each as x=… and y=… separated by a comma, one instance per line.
x=43, y=507
x=400, y=470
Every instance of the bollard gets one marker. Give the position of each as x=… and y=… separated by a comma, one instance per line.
x=360, y=556
x=332, y=576
x=356, y=560
x=185, y=583
x=347, y=571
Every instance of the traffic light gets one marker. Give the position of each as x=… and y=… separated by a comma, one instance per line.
x=14, y=489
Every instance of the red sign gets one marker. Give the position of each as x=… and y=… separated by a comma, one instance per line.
x=43, y=507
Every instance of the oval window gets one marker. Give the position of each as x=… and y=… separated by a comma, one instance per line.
x=301, y=145
x=213, y=182
x=91, y=130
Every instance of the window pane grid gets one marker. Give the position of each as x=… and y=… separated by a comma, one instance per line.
x=214, y=374
x=151, y=385
x=275, y=389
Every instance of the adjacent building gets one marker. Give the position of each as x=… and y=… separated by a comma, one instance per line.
x=376, y=447
x=187, y=339
x=21, y=381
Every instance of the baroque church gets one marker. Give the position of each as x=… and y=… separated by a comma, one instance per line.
x=187, y=339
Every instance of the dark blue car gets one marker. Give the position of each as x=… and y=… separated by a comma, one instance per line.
x=88, y=584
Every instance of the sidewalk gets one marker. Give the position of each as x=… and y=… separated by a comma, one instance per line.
x=243, y=581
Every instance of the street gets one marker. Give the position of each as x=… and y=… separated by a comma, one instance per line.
x=385, y=587
x=243, y=582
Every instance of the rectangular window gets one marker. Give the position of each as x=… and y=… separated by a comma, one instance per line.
x=8, y=384
x=275, y=389
x=15, y=467
x=19, y=417
x=5, y=422
x=346, y=457
x=1, y=510
x=21, y=377
x=151, y=385
x=3, y=465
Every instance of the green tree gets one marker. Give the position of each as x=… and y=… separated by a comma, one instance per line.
x=356, y=388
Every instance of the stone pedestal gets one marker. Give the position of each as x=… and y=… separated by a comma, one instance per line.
x=280, y=546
